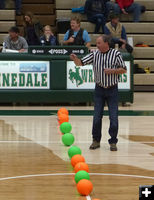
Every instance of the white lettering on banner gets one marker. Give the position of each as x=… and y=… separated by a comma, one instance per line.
x=78, y=51
x=58, y=51
x=34, y=51
x=40, y=51
x=83, y=77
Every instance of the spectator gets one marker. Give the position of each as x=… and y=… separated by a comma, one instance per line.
x=48, y=38
x=14, y=41
x=118, y=33
x=18, y=4
x=95, y=10
x=32, y=29
x=128, y=6
x=76, y=35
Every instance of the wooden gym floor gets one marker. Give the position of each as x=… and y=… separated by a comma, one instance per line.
x=34, y=164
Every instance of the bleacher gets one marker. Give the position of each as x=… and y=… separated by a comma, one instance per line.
x=7, y=19
x=142, y=32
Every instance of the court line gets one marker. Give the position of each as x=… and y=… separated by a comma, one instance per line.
x=59, y=142
x=64, y=174
x=68, y=174
x=88, y=197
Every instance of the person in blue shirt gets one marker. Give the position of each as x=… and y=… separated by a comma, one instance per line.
x=76, y=35
x=48, y=37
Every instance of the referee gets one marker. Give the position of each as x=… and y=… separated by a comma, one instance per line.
x=107, y=65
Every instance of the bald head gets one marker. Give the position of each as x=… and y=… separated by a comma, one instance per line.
x=103, y=43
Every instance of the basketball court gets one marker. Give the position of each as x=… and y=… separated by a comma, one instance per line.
x=34, y=163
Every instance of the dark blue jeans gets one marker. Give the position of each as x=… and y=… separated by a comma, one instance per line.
x=18, y=5
x=134, y=8
x=2, y=4
x=110, y=96
x=99, y=20
x=109, y=8
x=17, y=2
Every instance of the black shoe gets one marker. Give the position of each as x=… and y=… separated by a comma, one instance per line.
x=94, y=145
x=113, y=147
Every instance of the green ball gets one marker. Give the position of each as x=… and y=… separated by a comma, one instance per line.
x=73, y=151
x=65, y=127
x=81, y=175
x=68, y=139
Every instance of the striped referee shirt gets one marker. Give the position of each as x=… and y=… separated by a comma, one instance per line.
x=100, y=61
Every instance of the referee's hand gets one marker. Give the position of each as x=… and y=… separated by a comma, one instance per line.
x=73, y=56
x=76, y=60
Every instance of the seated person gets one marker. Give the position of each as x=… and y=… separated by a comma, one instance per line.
x=48, y=37
x=14, y=41
x=96, y=13
x=118, y=33
x=128, y=6
x=76, y=35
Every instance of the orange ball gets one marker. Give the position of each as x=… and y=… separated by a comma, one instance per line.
x=84, y=187
x=76, y=159
x=63, y=118
x=96, y=199
x=62, y=111
x=81, y=166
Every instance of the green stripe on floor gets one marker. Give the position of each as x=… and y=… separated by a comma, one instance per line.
x=71, y=112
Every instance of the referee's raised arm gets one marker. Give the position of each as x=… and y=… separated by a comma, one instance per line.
x=76, y=60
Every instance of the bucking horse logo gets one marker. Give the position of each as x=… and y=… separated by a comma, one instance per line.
x=75, y=76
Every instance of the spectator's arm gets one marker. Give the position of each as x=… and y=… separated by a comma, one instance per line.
x=7, y=43
x=70, y=40
x=86, y=38
x=66, y=39
x=24, y=46
x=106, y=31
x=53, y=40
x=123, y=34
x=88, y=45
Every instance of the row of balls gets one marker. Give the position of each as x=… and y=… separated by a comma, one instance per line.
x=82, y=178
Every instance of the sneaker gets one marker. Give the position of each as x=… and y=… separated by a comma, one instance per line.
x=94, y=145
x=113, y=147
